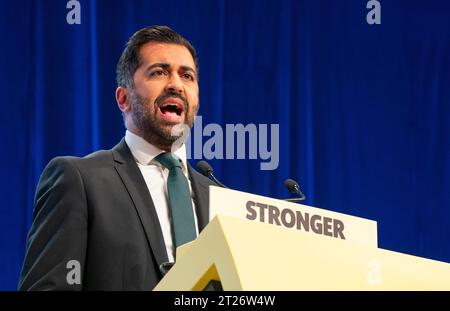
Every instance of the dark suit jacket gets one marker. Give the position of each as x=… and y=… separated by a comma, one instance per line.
x=98, y=210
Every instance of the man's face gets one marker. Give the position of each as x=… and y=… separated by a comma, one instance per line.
x=165, y=92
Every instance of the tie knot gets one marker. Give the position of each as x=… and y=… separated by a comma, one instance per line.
x=168, y=160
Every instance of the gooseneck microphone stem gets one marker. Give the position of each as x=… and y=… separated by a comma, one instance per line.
x=293, y=187
x=295, y=199
x=207, y=171
x=211, y=175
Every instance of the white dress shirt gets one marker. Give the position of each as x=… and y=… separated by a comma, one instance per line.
x=155, y=176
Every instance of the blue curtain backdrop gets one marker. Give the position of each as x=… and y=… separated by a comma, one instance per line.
x=364, y=110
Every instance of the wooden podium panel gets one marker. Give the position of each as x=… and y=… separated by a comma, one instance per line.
x=295, y=217
x=246, y=255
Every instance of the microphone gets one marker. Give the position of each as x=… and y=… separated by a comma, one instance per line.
x=207, y=171
x=293, y=187
x=165, y=267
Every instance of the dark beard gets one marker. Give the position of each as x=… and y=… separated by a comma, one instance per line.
x=153, y=130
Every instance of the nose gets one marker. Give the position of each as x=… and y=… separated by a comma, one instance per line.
x=174, y=84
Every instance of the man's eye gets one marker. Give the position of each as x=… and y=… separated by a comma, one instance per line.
x=157, y=73
x=188, y=76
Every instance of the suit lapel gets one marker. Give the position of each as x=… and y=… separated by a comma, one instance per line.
x=133, y=180
x=200, y=187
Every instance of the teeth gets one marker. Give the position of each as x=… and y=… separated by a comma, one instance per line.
x=173, y=107
x=170, y=105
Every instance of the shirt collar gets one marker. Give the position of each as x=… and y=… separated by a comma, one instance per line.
x=144, y=152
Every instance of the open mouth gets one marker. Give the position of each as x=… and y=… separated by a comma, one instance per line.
x=172, y=110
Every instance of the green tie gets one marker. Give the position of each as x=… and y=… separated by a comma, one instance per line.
x=180, y=204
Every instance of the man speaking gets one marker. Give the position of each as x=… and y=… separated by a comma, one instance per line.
x=109, y=220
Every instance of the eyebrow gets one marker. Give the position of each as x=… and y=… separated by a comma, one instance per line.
x=167, y=66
